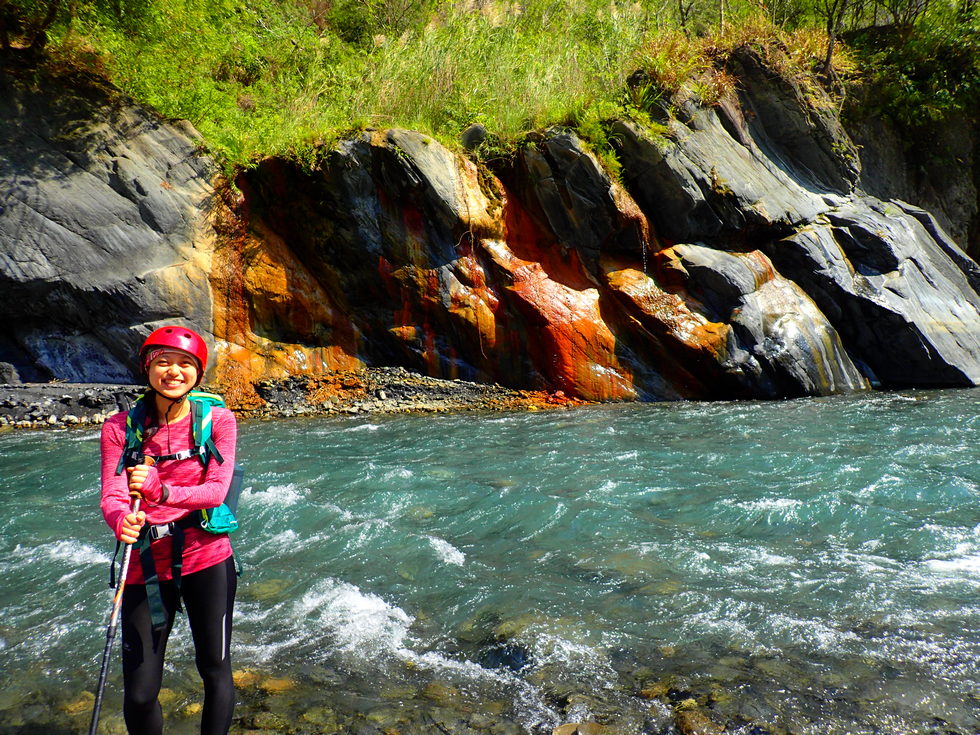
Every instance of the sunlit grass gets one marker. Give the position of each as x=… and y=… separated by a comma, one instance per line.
x=276, y=77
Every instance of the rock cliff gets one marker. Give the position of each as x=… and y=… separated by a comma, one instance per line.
x=736, y=256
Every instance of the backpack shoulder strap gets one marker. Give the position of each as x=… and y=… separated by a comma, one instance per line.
x=201, y=396
x=135, y=426
x=201, y=405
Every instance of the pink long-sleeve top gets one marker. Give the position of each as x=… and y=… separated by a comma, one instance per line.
x=191, y=487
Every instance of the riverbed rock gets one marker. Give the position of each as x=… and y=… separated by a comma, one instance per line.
x=81, y=704
x=580, y=728
x=692, y=721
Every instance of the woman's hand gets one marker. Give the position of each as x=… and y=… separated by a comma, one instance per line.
x=143, y=479
x=131, y=525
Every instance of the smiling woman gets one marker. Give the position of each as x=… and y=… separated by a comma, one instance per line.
x=167, y=466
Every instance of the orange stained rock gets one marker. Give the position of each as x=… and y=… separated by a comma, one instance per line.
x=338, y=386
x=567, y=337
x=760, y=265
x=416, y=295
x=429, y=301
x=631, y=216
x=260, y=287
x=667, y=311
x=558, y=302
x=415, y=244
x=472, y=300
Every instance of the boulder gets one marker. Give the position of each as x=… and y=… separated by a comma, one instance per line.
x=8, y=374
x=902, y=301
x=780, y=344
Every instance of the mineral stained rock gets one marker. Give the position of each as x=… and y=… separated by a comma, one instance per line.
x=735, y=256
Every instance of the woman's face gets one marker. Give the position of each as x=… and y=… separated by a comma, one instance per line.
x=172, y=373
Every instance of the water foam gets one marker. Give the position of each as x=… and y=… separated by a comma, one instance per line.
x=70, y=551
x=447, y=553
x=276, y=495
x=356, y=622
x=364, y=427
x=368, y=631
x=962, y=569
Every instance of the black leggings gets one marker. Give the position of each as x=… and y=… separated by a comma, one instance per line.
x=209, y=597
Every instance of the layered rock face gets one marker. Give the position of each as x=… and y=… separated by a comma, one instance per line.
x=736, y=257
x=103, y=230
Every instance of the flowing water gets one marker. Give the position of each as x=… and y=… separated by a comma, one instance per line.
x=807, y=566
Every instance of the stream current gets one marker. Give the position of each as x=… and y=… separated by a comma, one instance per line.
x=808, y=566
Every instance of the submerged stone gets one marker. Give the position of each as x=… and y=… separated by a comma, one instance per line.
x=513, y=656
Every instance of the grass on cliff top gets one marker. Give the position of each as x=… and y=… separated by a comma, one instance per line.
x=272, y=77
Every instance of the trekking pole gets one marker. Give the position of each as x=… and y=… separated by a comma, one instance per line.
x=110, y=633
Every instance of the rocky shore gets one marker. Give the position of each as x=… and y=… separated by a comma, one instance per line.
x=274, y=704
x=373, y=390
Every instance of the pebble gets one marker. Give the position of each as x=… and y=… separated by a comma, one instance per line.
x=695, y=722
x=386, y=390
x=82, y=704
x=276, y=685
x=580, y=728
x=51, y=405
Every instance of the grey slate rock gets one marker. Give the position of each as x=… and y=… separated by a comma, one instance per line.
x=902, y=304
x=566, y=189
x=784, y=346
x=8, y=374
x=101, y=204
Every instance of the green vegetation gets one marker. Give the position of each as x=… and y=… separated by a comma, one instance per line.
x=284, y=76
x=920, y=77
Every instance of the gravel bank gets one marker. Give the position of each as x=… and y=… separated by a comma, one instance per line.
x=373, y=390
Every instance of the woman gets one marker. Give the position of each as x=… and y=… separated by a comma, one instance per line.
x=177, y=558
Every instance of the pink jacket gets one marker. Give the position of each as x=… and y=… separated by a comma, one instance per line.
x=191, y=487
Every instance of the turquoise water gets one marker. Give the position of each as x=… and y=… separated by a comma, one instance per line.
x=807, y=566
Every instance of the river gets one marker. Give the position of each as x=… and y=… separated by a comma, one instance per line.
x=808, y=566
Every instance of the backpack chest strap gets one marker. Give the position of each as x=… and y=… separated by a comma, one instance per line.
x=185, y=454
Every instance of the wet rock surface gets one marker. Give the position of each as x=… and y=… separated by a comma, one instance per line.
x=328, y=701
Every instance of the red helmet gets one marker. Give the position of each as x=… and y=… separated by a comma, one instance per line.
x=179, y=338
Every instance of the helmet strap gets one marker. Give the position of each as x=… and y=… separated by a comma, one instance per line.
x=174, y=403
